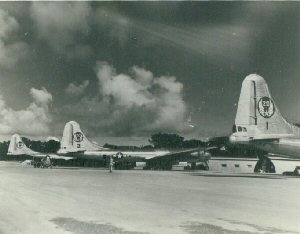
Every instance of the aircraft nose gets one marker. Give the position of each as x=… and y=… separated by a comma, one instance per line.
x=232, y=139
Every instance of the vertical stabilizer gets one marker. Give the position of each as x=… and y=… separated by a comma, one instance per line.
x=74, y=140
x=257, y=113
x=17, y=147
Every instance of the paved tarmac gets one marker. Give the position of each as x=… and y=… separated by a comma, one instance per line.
x=83, y=200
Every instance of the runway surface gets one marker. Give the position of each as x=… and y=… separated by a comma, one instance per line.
x=95, y=201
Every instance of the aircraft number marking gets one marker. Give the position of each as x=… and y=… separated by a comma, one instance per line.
x=266, y=107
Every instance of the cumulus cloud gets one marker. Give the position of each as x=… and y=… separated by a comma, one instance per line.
x=34, y=120
x=8, y=24
x=77, y=90
x=52, y=138
x=41, y=96
x=125, y=90
x=137, y=103
x=10, y=52
x=63, y=25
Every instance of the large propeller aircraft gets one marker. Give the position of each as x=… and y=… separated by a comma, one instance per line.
x=75, y=144
x=259, y=123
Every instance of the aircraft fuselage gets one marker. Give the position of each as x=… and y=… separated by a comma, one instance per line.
x=285, y=147
x=107, y=153
x=288, y=147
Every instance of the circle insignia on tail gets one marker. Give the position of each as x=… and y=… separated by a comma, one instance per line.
x=20, y=144
x=78, y=137
x=266, y=107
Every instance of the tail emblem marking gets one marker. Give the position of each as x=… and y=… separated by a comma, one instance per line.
x=78, y=137
x=20, y=144
x=266, y=107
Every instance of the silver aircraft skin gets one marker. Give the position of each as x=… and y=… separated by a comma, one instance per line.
x=75, y=144
x=17, y=147
x=259, y=123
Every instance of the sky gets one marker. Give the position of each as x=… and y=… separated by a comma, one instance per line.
x=126, y=70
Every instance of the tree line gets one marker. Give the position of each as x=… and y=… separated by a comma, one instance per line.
x=162, y=141
x=42, y=146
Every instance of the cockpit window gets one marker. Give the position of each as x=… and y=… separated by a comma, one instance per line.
x=244, y=129
x=234, y=128
x=239, y=128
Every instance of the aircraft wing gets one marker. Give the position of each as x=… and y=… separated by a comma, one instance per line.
x=273, y=136
x=96, y=155
x=189, y=152
x=53, y=156
x=200, y=154
x=182, y=152
x=161, y=154
x=266, y=140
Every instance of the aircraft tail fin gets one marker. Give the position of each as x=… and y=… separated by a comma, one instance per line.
x=74, y=140
x=17, y=147
x=257, y=113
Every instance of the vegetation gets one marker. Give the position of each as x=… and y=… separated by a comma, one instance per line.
x=42, y=146
x=171, y=141
x=3, y=148
x=162, y=141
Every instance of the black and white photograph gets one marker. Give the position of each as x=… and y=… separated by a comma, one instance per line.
x=149, y=117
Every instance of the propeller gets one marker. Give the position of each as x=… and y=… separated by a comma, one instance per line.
x=203, y=154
